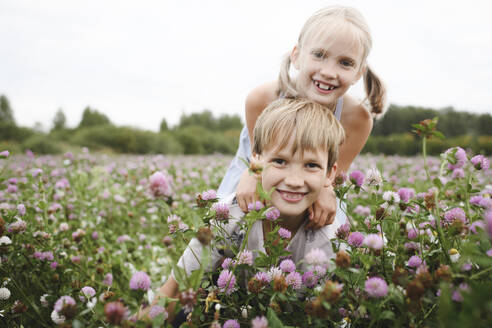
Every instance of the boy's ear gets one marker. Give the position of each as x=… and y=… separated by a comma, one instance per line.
x=330, y=175
x=294, y=57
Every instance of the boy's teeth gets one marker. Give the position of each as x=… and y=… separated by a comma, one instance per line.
x=293, y=196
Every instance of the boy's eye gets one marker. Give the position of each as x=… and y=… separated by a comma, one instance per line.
x=313, y=165
x=318, y=54
x=278, y=161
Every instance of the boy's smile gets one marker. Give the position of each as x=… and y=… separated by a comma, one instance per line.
x=297, y=179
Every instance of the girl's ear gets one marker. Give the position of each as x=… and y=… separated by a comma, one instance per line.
x=330, y=175
x=294, y=57
x=361, y=73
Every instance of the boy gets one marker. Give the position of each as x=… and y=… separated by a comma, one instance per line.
x=297, y=142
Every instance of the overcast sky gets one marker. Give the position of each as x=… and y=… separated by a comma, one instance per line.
x=141, y=61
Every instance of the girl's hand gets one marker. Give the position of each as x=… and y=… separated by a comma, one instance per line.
x=324, y=209
x=246, y=190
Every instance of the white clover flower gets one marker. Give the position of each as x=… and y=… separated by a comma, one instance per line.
x=44, y=301
x=4, y=240
x=244, y=312
x=274, y=272
x=57, y=318
x=91, y=303
x=217, y=307
x=373, y=177
x=4, y=294
x=391, y=197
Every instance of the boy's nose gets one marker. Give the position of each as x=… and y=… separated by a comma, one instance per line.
x=294, y=180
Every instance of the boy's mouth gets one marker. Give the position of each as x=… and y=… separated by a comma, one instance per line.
x=291, y=196
x=324, y=87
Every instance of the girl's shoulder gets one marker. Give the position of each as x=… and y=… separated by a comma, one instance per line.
x=355, y=114
x=261, y=96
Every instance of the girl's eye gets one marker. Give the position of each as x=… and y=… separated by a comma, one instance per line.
x=347, y=63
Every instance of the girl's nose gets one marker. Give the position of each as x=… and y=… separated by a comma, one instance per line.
x=328, y=70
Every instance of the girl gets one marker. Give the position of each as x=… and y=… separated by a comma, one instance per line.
x=329, y=57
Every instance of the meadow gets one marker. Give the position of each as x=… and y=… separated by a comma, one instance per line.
x=86, y=239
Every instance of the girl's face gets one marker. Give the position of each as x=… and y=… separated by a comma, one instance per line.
x=327, y=67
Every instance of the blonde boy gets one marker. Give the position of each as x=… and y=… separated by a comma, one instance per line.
x=297, y=142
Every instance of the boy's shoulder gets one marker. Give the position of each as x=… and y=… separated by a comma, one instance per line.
x=234, y=210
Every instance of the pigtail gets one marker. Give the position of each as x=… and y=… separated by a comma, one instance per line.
x=375, y=91
x=286, y=87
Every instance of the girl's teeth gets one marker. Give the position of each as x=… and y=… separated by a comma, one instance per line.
x=324, y=86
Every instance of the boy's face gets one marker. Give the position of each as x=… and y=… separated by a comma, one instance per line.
x=298, y=178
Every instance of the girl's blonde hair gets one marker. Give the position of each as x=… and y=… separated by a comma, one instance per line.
x=313, y=126
x=336, y=19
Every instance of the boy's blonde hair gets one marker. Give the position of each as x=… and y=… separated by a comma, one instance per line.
x=337, y=20
x=313, y=126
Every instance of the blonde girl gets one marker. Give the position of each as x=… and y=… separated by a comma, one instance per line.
x=329, y=57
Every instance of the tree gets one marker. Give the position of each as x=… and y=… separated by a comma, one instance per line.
x=163, y=127
x=92, y=117
x=6, y=114
x=59, y=120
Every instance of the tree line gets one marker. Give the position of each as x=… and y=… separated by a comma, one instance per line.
x=203, y=133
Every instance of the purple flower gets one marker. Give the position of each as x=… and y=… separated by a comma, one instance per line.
x=488, y=222
x=4, y=154
x=140, y=280
x=489, y=252
x=287, y=266
x=54, y=265
x=411, y=246
x=259, y=322
x=263, y=277
x=357, y=178
x=272, y=214
x=123, y=238
x=373, y=241
x=231, y=323
x=376, y=287
x=414, y=261
x=475, y=225
x=475, y=200
x=362, y=210
x=21, y=209
x=458, y=173
x=87, y=292
x=62, y=301
x=221, y=211
x=256, y=206
x=294, y=280
x=108, y=279
x=160, y=184
x=480, y=162
x=226, y=282
x=355, y=239
x=17, y=226
x=227, y=263
x=245, y=257
x=209, y=195
x=456, y=157
x=406, y=194
x=343, y=231
x=455, y=214
x=156, y=310
x=309, y=279
x=284, y=233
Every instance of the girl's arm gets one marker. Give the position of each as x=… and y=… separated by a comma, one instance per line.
x=357, y=123
x=169, y=289
x=256, y=101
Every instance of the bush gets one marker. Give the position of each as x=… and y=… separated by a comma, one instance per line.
x=42, y=144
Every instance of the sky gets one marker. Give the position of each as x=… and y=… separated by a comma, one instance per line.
x=141, y=61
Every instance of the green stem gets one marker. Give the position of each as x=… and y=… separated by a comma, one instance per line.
x=424, y=154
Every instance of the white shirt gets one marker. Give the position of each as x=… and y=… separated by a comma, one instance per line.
x=300, y=244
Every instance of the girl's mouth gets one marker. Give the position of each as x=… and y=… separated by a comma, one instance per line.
x=323, y=87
